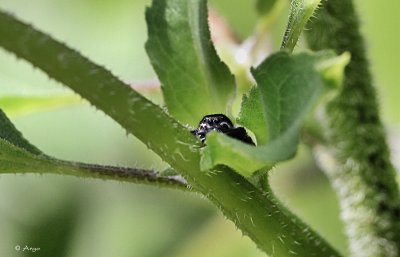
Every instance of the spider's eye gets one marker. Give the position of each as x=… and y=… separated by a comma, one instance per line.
x=224, y=125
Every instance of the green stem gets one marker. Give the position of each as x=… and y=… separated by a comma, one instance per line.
x=15, y=160
x=362, y=174
x=300, y=13
x=255, y=212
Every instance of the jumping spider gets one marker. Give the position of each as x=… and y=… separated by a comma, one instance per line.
x=220, y=123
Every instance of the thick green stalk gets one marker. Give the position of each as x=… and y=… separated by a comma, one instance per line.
x=255, y=212
x=362, y=174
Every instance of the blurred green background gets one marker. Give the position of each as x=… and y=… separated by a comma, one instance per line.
x=67, y=216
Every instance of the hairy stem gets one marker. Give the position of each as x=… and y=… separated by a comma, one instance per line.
x=362, y=173
x=135, y=175
x=15, y=160
x=255, y=212
x=300, y=13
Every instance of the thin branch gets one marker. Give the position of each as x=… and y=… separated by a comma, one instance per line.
x=42, y=164
x=127, y=174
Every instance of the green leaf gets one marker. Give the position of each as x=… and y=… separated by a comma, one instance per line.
x=252, y=115
x=299, y=14
x=333, y=69
x=20, y=105
x=10, y=134
x=195, y=82
x=289, y=86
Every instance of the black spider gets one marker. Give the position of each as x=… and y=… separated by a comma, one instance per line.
x=223, y=124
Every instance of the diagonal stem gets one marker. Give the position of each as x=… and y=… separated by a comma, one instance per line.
x=255, y=212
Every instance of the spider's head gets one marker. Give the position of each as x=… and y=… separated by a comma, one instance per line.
x=223, y=124
x=218, y=122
